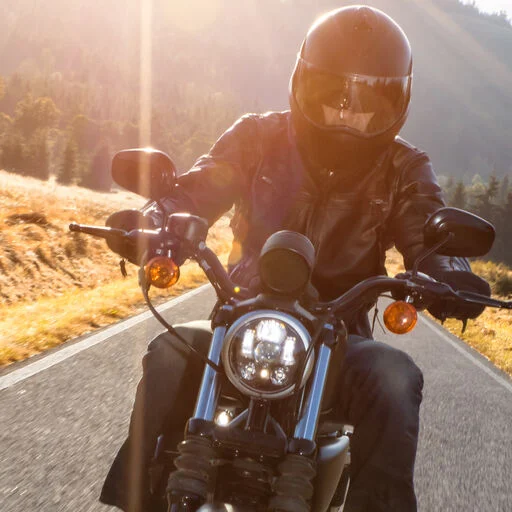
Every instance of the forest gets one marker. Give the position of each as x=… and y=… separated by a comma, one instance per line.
x=79, y=82
x=491, y=200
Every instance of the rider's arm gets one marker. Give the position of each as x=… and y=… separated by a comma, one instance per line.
x=417, y=196
x=217, y=179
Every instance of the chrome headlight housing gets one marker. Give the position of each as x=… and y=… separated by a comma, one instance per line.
x=263, y=351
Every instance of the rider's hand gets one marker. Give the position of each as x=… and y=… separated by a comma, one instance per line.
x=128, y=220
x=464, y=281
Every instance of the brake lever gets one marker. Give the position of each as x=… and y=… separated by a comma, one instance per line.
x=422, y=286
x=483, y=300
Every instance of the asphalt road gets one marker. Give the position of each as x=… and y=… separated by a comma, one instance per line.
x=60, y=427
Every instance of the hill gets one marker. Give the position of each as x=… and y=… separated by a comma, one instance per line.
x=197, y=65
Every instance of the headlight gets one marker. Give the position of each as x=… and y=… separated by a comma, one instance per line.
x=263, y=351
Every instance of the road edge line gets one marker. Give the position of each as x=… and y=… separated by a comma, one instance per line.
x=438, y=330
x=50, y=360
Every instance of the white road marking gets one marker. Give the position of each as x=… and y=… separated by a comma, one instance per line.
x=57, y=357
x=442, y=334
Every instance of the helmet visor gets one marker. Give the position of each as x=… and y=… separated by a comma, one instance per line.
x=367, y=104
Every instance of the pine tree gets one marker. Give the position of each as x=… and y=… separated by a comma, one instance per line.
x=507, y=230
x=12, y=153
x=493, y=187
x=37, y=156
x=37, y=114
x=458, y=198
x=67, y=171
x=98, y=176
x=504, y=190
x=484, y=204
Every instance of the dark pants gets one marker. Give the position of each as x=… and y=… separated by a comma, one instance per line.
x=380, y=391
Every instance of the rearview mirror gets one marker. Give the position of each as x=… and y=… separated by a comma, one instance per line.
x=145, y=171
x=471, y=235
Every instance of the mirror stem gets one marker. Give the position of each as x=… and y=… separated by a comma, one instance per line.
x=161, y=206
x=428, y=252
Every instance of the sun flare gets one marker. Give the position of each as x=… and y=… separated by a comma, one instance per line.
x=192, y=15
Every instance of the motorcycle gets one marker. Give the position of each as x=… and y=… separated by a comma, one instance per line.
x=271, y=444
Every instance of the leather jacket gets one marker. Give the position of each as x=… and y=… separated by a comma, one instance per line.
x=352, y=219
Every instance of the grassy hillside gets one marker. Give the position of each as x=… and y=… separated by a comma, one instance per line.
x=55, y=285
x=490, y=333
x=39, y=257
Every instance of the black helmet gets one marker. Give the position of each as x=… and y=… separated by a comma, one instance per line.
x=351, y=87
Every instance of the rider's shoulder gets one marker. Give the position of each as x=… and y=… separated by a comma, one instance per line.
x=411, y=164
x=403, y=147
x=404, y=154
x=271, y=126
x=269, y=121
x=276, y=119
x=271, y=116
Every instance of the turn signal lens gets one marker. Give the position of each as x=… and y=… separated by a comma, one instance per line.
x=400, y=317
x=162, y=272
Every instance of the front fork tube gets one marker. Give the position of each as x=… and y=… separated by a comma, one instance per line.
x=189, y=485
x=308, y=422
x=294, y=488
x=208, y=396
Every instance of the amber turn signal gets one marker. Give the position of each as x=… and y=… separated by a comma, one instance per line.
x=400, y=317
x=162, y=272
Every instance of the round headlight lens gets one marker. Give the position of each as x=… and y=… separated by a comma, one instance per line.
x=263, y=352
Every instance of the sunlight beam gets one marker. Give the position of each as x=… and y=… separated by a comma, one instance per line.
x=483, y=61
x=145, y=83
x=146, y=12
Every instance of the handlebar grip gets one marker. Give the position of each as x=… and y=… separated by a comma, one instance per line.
x=100, y=231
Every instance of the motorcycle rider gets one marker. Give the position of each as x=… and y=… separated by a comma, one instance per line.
x=334, y=169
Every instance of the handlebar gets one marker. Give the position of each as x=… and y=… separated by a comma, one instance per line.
x=155, y=239
x=366, y=292
x=102, y=232
x=484, y=301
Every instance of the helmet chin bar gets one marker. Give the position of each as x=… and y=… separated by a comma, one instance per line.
x=338, y=150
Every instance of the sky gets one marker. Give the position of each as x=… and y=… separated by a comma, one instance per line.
x=493, y=6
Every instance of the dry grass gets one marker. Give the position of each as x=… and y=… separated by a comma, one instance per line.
x=56, y=285
x=39, y=257
x=490, y=333
x=27, y=329
x=499, y=275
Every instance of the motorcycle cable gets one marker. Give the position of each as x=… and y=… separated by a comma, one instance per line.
x=376, y=318
x=145, y=286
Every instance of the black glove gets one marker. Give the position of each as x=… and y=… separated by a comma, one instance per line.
x=464, y=281
x=128, y=220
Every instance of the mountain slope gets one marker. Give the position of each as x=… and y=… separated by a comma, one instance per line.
x=241, y=53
